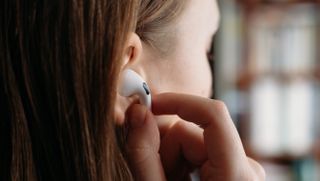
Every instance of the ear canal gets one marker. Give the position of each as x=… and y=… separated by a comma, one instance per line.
x=132, y=84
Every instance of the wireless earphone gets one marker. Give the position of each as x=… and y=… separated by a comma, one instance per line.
x=132, y=84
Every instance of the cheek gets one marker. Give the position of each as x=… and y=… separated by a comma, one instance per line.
x=202, y=77
x=193, y=76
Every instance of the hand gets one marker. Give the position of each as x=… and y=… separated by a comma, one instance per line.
x=143, y=145
x=216, y=149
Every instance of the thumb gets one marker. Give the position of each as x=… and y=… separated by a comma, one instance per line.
x=143, y=144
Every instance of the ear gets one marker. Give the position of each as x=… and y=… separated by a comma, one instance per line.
x=132, y=52
x=131, y=58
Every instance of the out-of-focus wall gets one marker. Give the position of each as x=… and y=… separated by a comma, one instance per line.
x=267, y=70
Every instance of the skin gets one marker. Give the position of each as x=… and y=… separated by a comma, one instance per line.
x=186, y=70
x=199, y=132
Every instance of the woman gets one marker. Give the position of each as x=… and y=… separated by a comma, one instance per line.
x=60, y=110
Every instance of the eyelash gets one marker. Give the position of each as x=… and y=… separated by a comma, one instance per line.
x=211, y=60
x=210, y=56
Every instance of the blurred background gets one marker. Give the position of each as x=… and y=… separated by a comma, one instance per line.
x=267, y=71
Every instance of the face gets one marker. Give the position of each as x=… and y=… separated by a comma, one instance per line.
x=187, y=70
x=184, y=70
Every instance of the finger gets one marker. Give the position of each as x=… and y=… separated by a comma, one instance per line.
x=258, y=170
x=220, y=135
x=191, y=108
x=183, y=138
x=143, y=144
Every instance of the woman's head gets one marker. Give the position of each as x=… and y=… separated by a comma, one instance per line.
x=177, y=59
x=59, y=68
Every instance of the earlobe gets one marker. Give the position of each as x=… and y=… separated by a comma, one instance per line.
x=119, y=110
x=121, y=106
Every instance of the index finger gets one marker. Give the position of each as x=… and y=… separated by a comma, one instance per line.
x=199, y=110
x=220, y=135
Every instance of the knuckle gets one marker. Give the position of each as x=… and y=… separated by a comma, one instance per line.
x=257, y=170
x=220, y=106
x=261, y=173
x=180, y=125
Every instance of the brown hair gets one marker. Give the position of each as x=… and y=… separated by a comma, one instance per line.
x=155, y=23
x=59, y=62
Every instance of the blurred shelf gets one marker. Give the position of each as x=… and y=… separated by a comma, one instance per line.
x=250, y=70
x=274, y=2
x=250, y=6
x=247, y=78
x=283, y=158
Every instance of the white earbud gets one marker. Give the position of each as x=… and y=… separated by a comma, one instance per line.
x=132, y=84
